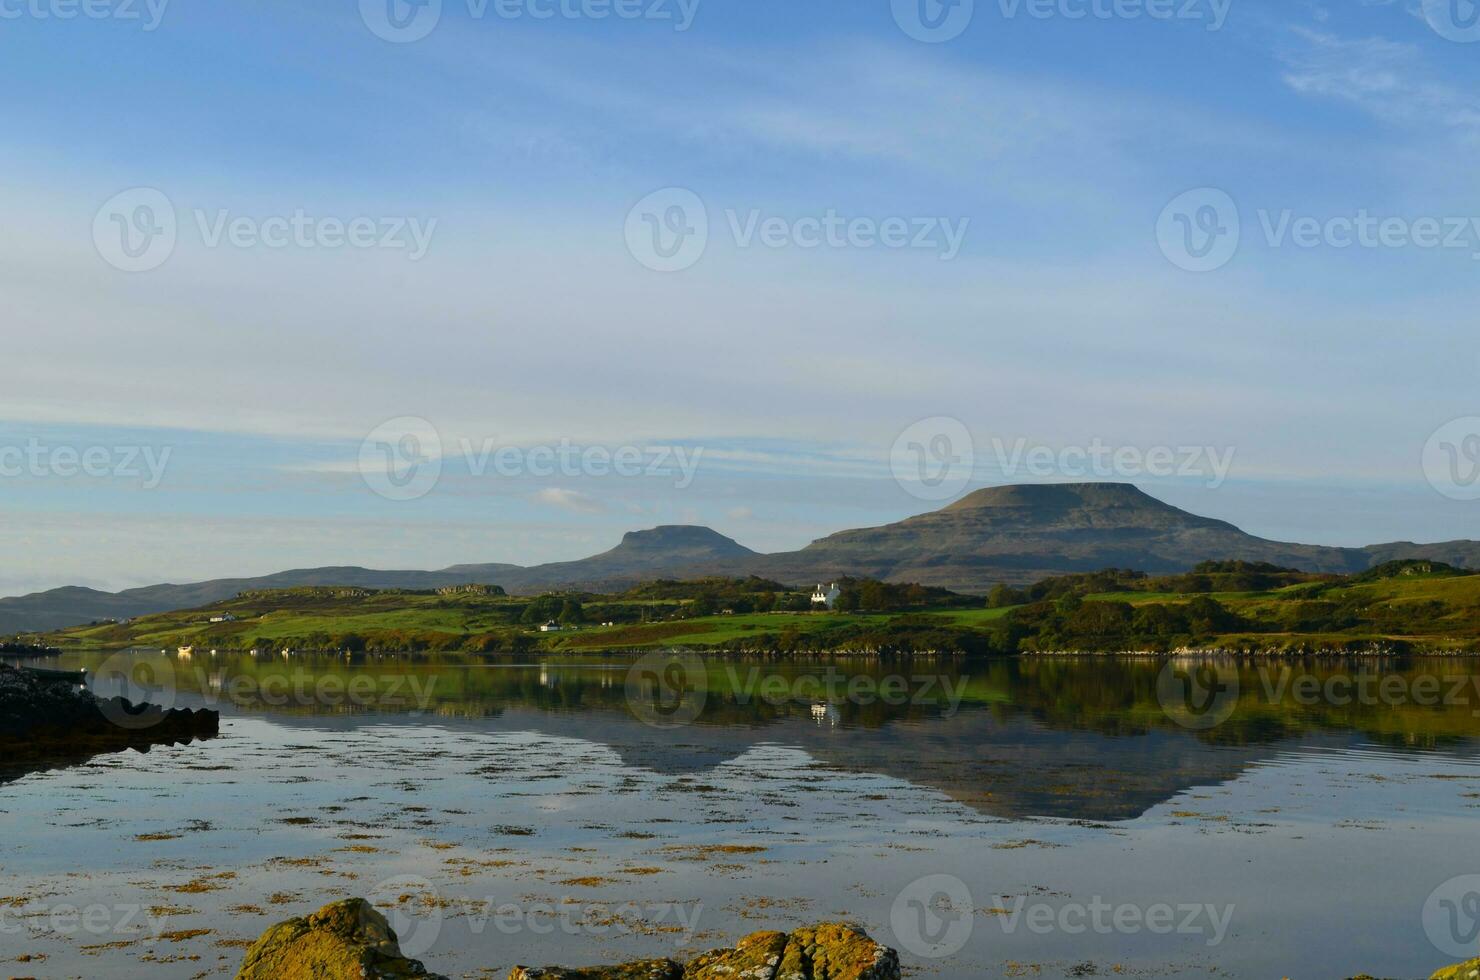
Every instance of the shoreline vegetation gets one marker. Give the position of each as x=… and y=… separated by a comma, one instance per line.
x=1411, y=607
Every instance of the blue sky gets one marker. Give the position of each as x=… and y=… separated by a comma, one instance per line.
x=522, y=148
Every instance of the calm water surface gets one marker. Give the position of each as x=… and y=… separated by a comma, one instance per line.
x=1297, y=823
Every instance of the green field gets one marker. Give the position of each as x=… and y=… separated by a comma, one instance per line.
x=1419, y=606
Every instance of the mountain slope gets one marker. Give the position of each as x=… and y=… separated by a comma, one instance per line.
x=68, y=606
x=1019, y=534
x=1012, y=534
x=663, y=552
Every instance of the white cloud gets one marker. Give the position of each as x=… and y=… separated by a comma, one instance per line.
x=572, y=500
x=1389, y=80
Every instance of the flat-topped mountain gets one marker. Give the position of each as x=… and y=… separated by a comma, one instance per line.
x=1012, y=534
x=673, y=551
x=1019, y=534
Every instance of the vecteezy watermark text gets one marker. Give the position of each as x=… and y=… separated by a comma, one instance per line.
x=36, y=459
x=1099, y=459
x=1201, y=230
x=1203, y=693
x=1114, y=918
x=935, y=21
x=1212, y=13
x=403, y=459
x=94, y=920
x=934, y=917
x=837, y=687
x=149, y=14
x=419, y=914
x=137, y=231
x=405, y=21
x=669, y=231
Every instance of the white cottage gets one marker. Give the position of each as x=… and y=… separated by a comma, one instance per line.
x=828, y=598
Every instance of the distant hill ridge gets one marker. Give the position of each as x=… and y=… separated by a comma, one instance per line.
x=1014, y=534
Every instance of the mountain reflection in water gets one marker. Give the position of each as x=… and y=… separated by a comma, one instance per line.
x=1071, y=738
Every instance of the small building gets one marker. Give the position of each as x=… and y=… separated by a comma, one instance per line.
x=551, y=627
x=828, y=597
x=223, y=618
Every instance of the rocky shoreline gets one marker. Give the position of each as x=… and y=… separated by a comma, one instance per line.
x=351, y=940
x=51, y=716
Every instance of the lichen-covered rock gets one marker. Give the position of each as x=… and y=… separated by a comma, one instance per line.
x=756, y=957
x=641, y=970
x=347, y=940
x=1460, y=971
x=832, y=951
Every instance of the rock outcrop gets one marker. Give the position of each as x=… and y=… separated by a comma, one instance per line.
x=832, y=951
x=348, y=940
x=40, y=711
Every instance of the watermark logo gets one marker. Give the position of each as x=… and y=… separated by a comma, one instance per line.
x=1451, y=459
x=147, y=687
x=414, y=910
x=933, y=917
x=934, y=21
x=136, y=230
x=1454, y=20
x=1198, y=696
x=933, y=459
x=1199, y=230
x=402, y=459
x=667, y=689
x=401, y=21
x=668, y=230
x=1451, y=916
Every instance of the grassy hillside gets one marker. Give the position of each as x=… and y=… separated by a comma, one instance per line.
x=1229, y=605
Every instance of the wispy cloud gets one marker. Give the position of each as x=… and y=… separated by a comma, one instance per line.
x=1389, y=80
x=572, y=500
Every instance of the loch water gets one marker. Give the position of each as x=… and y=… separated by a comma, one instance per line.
x=1022, y=817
